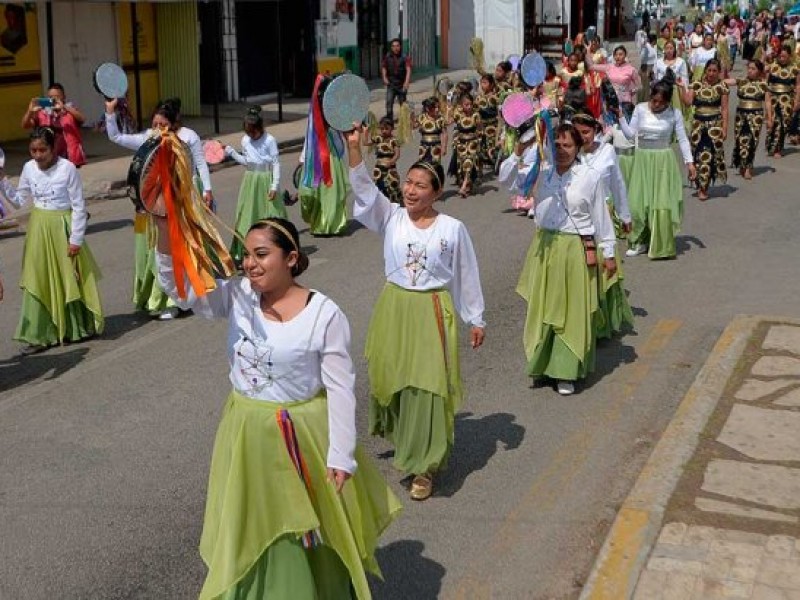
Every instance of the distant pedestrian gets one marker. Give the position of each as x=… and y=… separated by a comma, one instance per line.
x=63, y=118
x=396, y=72
x=646, y=20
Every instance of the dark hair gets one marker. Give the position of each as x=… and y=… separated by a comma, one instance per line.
x=584, y=118
x=170, y=109
x=283, y=242
x=568, y=129
x=579, y=49
x=429, y=103
x=488, y=77
x=505, y=65
x=667, y=27
x=759, y=65
x=386, y=121
x=672, y=43
x=713, y=61
x=253, y=118
x=652, y=38
x=45, y=134
x=57, y=86
x=623, y=48
x=551, y=68
x=434, y=170
x=465, y=96
x=709, y=34
x=664, y=88
x=393, y=40
x=680, y=28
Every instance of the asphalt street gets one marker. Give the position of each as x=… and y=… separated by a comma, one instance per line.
x=105, y=445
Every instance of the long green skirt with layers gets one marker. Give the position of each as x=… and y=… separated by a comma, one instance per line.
x=414, y=375
x=60, y=299
x=253, y=205
x=655, y=195
x=324, y=208
x=562, y=296
x=147, y=293
x=615, y=310
x=258, y=508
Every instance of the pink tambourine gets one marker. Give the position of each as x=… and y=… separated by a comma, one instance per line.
x=214, y=152
x=517, y=109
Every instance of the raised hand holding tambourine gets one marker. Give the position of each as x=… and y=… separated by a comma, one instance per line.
x=345, y=100
x=110, y=80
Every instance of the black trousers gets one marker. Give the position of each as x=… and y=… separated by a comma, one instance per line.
x=392, y=93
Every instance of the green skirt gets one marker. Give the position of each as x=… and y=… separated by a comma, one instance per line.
x=655, y=195
x=147, y=293
x=414, y=375
x=258, y=508
x=615, y=314
x=324, y=208
x=253, y=205
x=60, y=298
x=562, y=296
x=626, y=166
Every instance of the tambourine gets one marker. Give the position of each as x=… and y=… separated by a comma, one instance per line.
x=514, y=59
x=214, y=152
x=345, y=100
x=110, y=80
x=517, y=109
x=144, y=183
x=527, y=131
x=591, y=33
x=609, y=95
x=533, y=69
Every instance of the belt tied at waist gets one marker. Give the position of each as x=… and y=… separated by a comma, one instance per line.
x=625, y=151
x=653, y=144
x=701, y=115
x=751, y=104
x=781, y=89
x=261, y=167
x=435, y=138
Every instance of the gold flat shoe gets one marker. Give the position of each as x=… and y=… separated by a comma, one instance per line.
x=421, y=487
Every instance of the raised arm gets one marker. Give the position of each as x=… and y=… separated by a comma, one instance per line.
x=231, y=152
x=131, y=141
x=371, y=207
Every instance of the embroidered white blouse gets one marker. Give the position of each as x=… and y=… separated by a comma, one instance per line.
x=604, y=160
x=657, y=128
x=441, y=256
x=57, y=188
x=262, y=152
x=678, y=67
x=574, y=202
x=284, y=362
x=133, y=141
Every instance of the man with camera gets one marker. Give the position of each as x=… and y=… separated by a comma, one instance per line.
x=63, y=117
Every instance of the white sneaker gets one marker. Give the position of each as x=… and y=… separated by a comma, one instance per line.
x=169, y=314
x=636, y=250
x=532, y=213
x=566, y=388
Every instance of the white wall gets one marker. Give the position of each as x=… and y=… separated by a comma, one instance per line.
x=462, y=30
x=499, y=23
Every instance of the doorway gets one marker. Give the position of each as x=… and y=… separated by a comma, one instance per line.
x=371, y=28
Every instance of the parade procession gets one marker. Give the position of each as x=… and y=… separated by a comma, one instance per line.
x=460, y=319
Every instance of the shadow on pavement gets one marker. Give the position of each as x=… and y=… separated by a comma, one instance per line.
x=684, y=243
x=610, y=355
x=119, y=325
x=476, y=442
x=761, y=170
x=108, y=225
x=21, y=369
x=407, y=573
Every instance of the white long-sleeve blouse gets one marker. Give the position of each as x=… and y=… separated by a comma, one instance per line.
x=574, y=202
x=653, y=130
x=57, y=188
x=133, y=141
x=441, y=256
x=262, y=153
x=284, y=362
x=604, y=160
x=678, y=67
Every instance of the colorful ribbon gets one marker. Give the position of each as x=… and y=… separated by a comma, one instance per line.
x=311, y=539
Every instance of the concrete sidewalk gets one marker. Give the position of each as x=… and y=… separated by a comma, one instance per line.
x=716, y=510
x=107, y=169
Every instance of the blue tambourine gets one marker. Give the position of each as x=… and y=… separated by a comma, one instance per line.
x=533, y=69
x=345, y=101
x=111, y=81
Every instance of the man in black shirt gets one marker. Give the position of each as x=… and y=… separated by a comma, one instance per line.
x=396, y=72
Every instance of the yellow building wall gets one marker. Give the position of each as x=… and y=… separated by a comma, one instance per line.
x=179, y=54
x=20, y=66
x=148, y=56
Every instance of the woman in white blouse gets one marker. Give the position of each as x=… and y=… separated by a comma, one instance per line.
x=559, y=278
x=147, y=295
x=286, y=509
x=700, y=56
x=60, y=299
x=412, y=343
x=601, y=157
x=258, y=194
x=655, y=188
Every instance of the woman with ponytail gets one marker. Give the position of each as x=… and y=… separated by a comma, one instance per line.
x=258, y=195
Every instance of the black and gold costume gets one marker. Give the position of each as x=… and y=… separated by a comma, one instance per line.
x=707, y=133
x=781, y=83
x=749, y=120
x=384, y=173
x=467, y=142
x=430, y=138
x=488, y=109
